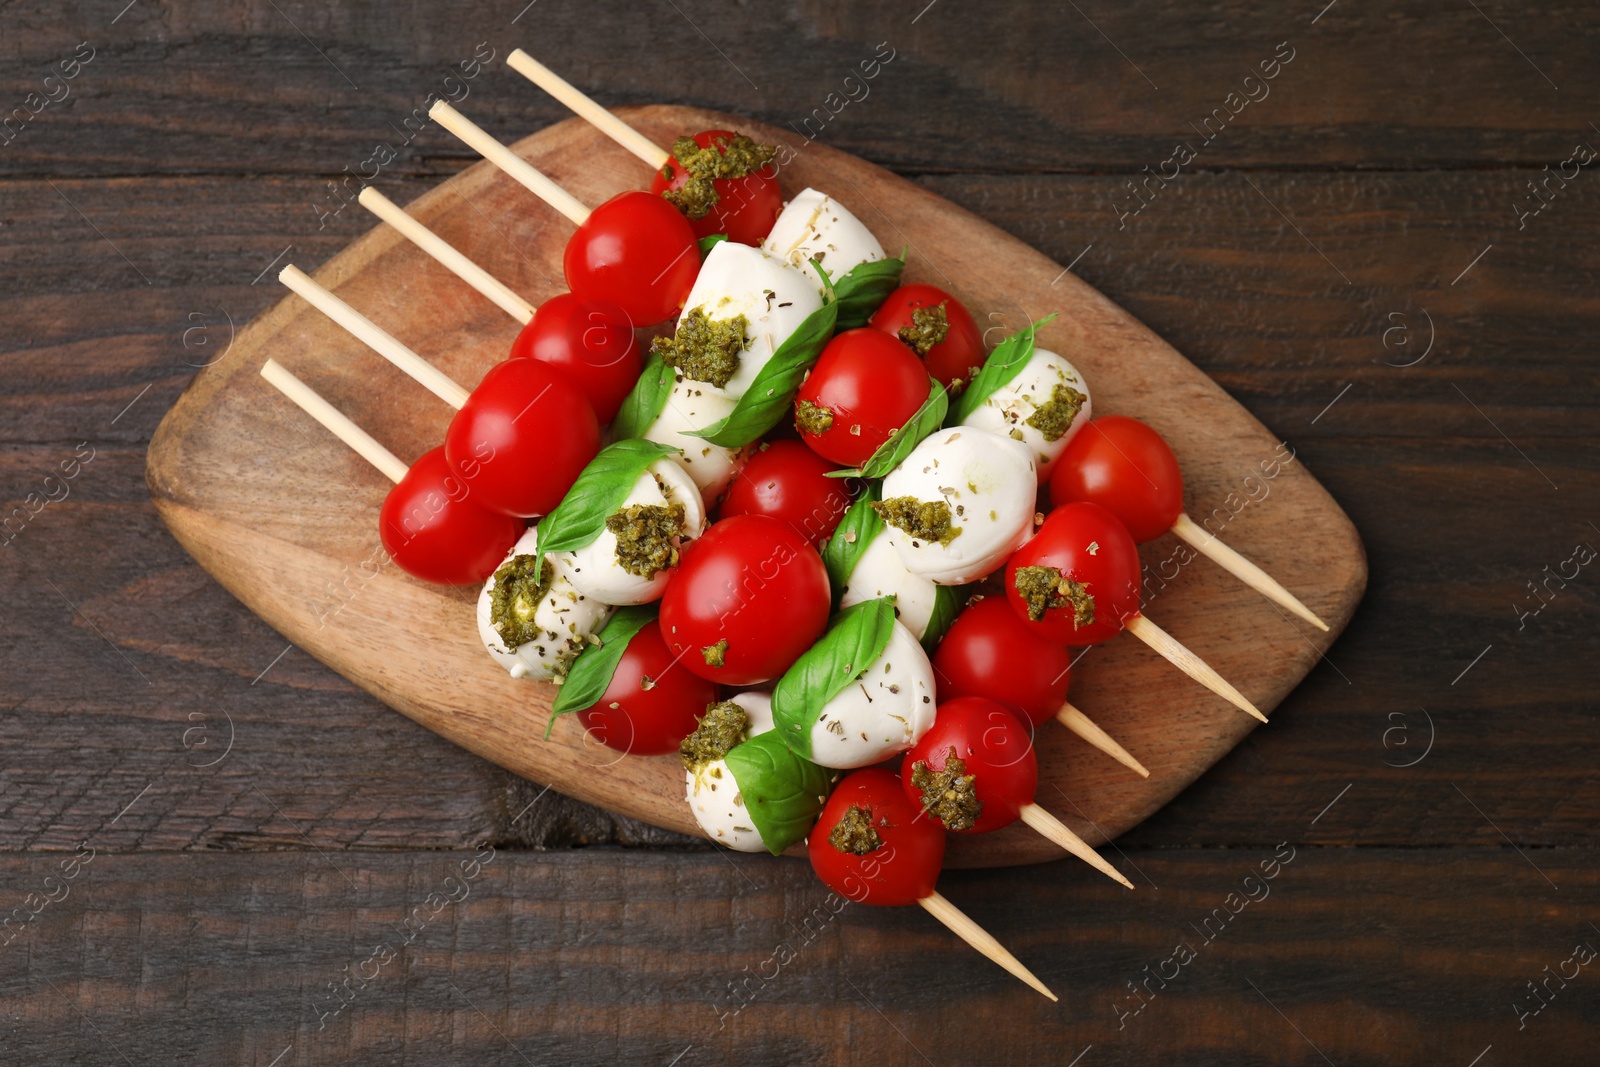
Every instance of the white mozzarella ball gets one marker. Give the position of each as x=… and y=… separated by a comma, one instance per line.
x=815, y=226
x=714, y=796
x=1007, y=410
x=774, y=299
x=595, y=571
x=695, y=406
x=884, y=712
x=988, y=483
x=566, y=620
x=880, y=573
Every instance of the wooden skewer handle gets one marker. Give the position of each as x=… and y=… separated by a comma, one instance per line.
x=588, y=110
x=980, y=939
x=1056, y=831
x=1207, y=543
x=368, y=332
x=524, y=172
x=446, y=256
x=1084, y=727
x=333, y=420
x=1187, y=662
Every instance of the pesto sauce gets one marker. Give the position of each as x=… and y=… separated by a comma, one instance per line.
x=1054, y=417
x=926, y=520
x=645, y=537
x=520, y=584
x=929, y=326
x=726, y=157
x=949, y=795
x=854, y=833
x=716, y=655
x=704, y=349
x=1044, y=588
x=723, y=726
x=813, y=419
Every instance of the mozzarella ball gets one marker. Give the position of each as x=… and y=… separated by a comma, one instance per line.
x=565, y=620
x=880, y=573
x=884, y=712
x=714, y=796
x=774, y=299
x=595, y=569
x=1008, y=409
x=988, y=488
x=815, y=226
x=695, y=406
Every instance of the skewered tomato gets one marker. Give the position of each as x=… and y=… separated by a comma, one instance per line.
x=1128, y=469
x=743, y=207
x=990, y=652
x=1077, y=581
x=873, y=845
x=865, y=386
x=936, y=327
x=788, y=481
x=432, y=528
x=635, y=251
x=651, y=703
x=591, y=341
x=995, y=779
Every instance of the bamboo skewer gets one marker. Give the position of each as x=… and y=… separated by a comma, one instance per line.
x=956, y=920
x=1187, y=662
x=1241, y=568
x=1054, y=829
x=588, y=109
x=1084, y=727
x=515, y=166
x=334, y=421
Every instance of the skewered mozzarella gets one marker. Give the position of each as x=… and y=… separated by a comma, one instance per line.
x=1044, y=406
x=887, y=710
x=597, y=569
x=555, y=619
x=879, y=573
x=815, y=226
x=714, y=796
x=695, y=406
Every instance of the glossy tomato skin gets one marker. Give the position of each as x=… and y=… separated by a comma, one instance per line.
x=1089, y=545
x=434, y=530
x=997, y=748
x=1125, y=467
x=522, y=437
x=904, y=869
x=746, y=207
x=872, y=385
x=591, y=342
x=959, y=355
x=637, y=252
x=989, y=652
x=788, y=481
x=753, y=582
x=648, y=720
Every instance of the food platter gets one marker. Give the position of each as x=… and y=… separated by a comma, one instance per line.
x=284, y=517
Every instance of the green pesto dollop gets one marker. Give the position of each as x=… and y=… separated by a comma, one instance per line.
x=723, y=726
x=737, y=156
x=926, y=520
x=715, y=655
x=854, y=833
x=645, y=537
x=1054, y=417
x=1044, y=588
x=949, y=795
x=519, y=584
x=813, y=419
x=704, y=349
x=929, y=326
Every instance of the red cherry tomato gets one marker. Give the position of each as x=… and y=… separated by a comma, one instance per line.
x=1086, y=544
x=431, y=528
x=651, y=702
x=959, y=355
x=746, y=207
x=637, y=252
x=522, y=437
x=753, y=583
x=1125, y=467
x=788, y=481
x=989, y=652
x=870, y=384
x=904, y=868
x=591, y=341
x=997, y=749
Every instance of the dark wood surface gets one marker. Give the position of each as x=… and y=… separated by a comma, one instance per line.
x=222, y=899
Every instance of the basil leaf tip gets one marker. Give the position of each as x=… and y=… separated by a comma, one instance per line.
x=1002, y=365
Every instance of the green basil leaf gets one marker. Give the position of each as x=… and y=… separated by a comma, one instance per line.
x=782, y=791
x=946, y=606
x=710, y=241
x=1003, y=364
x=771, y=395
x=851, y=646
x=850, y=540
x=590, y=674
x=864, y=288
x=929, y=417
x=601, y=488
x=643, y=406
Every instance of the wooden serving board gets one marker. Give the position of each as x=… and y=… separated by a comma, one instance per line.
x=286, y=517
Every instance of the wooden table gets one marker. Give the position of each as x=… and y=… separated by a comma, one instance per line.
x=220, y=852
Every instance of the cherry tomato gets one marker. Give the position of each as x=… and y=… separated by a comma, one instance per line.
x=997, y=749
x=989, y=652
x=959, y=355
x=904, y=866
x=1086, y=546
x=434, y=532
x=522, y=437
x=592, y=342
x=1125, y=467
x=636, y=252
x=746, y=207
x=865, y=386
x=750, y=594
x=651, y=702
x=788, y=481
